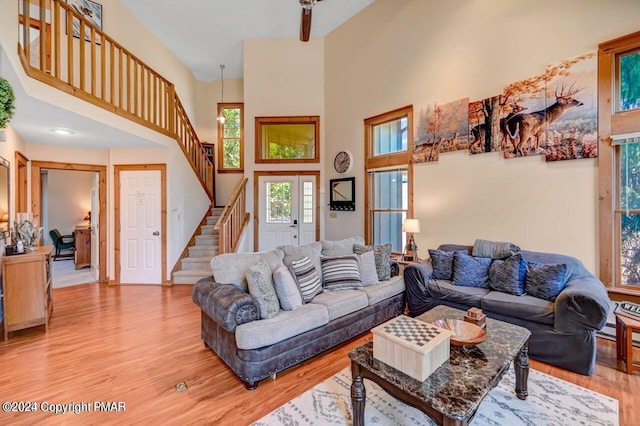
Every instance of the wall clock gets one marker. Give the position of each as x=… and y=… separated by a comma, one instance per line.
x=343, y=162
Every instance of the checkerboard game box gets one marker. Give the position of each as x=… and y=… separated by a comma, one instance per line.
x=412, y=346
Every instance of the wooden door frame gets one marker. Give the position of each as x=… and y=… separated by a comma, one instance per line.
x=36, y=194
x=259, y=173
x=163, y=214
x=21, y=183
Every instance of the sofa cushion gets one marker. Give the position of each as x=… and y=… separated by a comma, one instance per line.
x=307, y=277
x=340, y=247
x=261, y=288
x=545, y=281
x=494, y=249
x=340, y=303
x=525, y=307
x=231, y=268
x=340, y=272
x=443, y=289
x=384, y=289
x=311, y=250
x=367, y=268
x=469, y=271
x=286, y=289
x=382, y=254
x=261, y=333
x=508, y=275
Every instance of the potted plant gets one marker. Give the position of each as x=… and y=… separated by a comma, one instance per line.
x=7, y=107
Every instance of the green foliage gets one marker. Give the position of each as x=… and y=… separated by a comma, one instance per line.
x=278, y=151
x=7, y=100
x=231, y=135
x=279, y=194
x=630, y=223
x=629, y=78
x=231, y=156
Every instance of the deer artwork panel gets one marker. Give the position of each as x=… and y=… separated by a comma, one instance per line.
x=440, y=128
x=573, y=134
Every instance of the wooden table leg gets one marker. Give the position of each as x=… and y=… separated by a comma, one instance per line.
x=619, y=338
x=358, y=394
x=521, y=367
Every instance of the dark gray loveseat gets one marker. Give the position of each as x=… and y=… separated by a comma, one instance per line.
x=562, y=332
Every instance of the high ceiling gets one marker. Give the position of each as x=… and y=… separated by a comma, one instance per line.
x=206, y=33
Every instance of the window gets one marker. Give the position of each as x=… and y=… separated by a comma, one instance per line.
x=287, y=139
x=388, y=181
x=619, y=163
x=231, y=138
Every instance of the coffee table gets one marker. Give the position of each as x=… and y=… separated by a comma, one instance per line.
x=451, y=394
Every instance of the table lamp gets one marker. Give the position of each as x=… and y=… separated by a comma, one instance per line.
x=411, y=226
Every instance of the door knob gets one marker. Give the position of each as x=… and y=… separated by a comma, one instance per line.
x=156, y=233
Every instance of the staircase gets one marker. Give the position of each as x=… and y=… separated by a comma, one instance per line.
x=198, y=264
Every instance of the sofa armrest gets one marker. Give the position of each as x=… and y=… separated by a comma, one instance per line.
x=582, y=304
x=225, y=303
x=416, y=276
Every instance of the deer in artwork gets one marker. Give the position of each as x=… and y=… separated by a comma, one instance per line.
x=525, y=130
x=450, y=144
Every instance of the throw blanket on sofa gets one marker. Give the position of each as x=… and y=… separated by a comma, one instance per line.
x=494, y=249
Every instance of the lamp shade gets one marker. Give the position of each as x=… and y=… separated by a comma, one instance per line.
x=411, y=225
x=4, y=217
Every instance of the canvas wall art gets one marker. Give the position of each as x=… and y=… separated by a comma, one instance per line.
x=440, y=128
x=572, y=118
x=91, y=11
x=483, y=116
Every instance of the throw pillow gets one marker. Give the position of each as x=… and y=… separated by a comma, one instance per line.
x=367, y=267
x=494, y=249
x=311, y=250
x=545, y=281
x=261, y=288
x=442, y=263
x=286, y=289
x=340, y=272
x=508, y=275
x=382, y=255
x=469, y=271
x=307, y=277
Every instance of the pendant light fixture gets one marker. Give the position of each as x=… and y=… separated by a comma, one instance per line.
x=221, y=117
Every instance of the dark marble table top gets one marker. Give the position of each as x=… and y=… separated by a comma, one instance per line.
x=458, y=386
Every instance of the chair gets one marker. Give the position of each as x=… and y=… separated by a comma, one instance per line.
x=61, y=242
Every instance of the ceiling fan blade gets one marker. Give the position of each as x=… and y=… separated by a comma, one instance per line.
x=305, y=25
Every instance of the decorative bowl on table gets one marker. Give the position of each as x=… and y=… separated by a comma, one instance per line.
x=464, y=333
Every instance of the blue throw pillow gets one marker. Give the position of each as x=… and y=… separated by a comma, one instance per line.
x=469, y=271
x=442, y=263
x=545, y=281
x=508, y=275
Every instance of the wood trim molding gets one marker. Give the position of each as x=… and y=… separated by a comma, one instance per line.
x=302, y=119
x=163, y=214
x=21, y=182
x=221, y=168
x=36, y=197
x=256, y=214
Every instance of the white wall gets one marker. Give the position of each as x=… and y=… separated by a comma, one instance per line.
x=282, y=77
x=398, y=53
x=68, y=200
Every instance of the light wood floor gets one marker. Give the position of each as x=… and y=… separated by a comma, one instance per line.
x=135, y=343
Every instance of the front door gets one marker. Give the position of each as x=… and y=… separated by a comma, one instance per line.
x=287, y=209
x=140, y=226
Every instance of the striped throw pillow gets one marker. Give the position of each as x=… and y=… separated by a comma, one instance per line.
x=340, y=272
x=307, y=278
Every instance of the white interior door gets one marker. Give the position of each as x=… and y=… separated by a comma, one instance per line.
x=95, y=228
x=287, y=214
x=140, y=220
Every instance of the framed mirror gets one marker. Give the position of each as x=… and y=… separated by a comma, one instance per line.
x=4, y=200
x=288, y=139
x=342, y=194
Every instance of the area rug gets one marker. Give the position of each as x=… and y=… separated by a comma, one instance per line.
x=551, y=402
x=609, y=331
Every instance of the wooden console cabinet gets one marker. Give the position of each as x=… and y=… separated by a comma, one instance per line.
x=26, y=282
x=83, y=247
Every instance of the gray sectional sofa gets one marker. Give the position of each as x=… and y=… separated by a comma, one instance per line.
x=562, y=330
x=256, y=348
